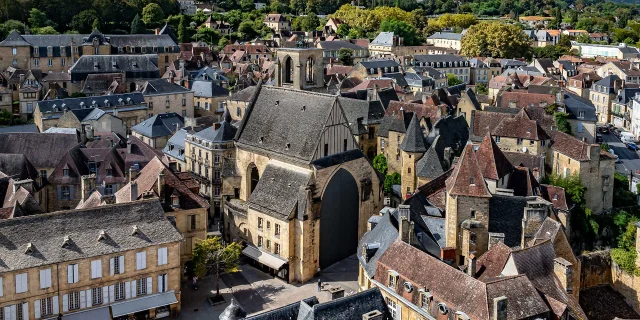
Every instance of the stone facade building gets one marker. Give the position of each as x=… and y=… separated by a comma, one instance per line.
x=305, y=189
x=100, y=262
x=299, y=68
x=163, y=96
x=603, y=93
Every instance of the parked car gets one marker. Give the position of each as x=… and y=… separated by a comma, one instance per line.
x=604, y=130
x=599, y=139
x=632, y=146
x=616, y=132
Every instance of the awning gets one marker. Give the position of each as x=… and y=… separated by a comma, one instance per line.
x=101, y=313
x=266, y=258
x=143, y=303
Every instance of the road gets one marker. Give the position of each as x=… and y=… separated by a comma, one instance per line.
x=630, y=159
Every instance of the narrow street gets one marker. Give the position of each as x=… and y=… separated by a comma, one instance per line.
x=630, y=159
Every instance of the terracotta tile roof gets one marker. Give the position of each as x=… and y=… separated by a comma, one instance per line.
x=484, y=122
x=492, y=262
x=604, y=303
x=573, y=59
x=468, y=295
x=467, y=178
x=524, y=99
x=555, y=195
x=520, y=126
x=381, y=83
x=147, y=181
x=492, y=161
x=339, y=69
x=434, y=190
x=546, y=121
x=421, y=110
x=571, y=146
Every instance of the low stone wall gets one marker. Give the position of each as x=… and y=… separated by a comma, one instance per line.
x=596, y=269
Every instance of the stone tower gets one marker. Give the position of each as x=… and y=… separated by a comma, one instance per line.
x=413, y=147
x=299, y=68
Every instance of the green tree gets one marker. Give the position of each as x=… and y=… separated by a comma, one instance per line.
x=223, y=42
x=390, y=180
x=495, y=39
x=38, y=19
x=136, y=25
x=310, y=22
x=152, y=15
x=96, y=24
x=562, y=123
x=452, y=80
x=82, y=21
x=343, y=30
x=44, y=30
x=380, y=164
x=207, y=35
x=182, y=30
x=246, y=30
x=212, y=257
x=247, y=5
x=78, y=95
x=346, y=56
x=482, y=88
x=401, y=29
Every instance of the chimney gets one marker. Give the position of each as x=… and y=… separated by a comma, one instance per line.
x=216, y=126
x=405, y=224
x=134, y=191
x=156, y=31
x=563, y=270
x=133, y=173
x=83, y=134
x=471, y=265
x=372, y=315
x=129, y=147
x=448, y=254
x=161, y=186
x=87, y=183
x=374, y=94
x=500, y=308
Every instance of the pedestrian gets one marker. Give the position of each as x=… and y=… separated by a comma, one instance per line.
x=195, y=280
x=319, y=285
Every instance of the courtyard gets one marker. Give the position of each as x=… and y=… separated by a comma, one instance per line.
x=257, y=291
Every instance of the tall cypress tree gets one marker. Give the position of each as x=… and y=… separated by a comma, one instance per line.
x=136, y=25
x=182, y=30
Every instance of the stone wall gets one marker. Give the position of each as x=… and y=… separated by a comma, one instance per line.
x=596, y=269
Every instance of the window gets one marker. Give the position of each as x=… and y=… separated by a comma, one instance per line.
x=473, y=214
x=519, y=141
x=163, y=283
x=96, y=50
x=96, y=296
x=141, y=260
x=268, y=225
x=166, y=102
x=425, y=300
x=22, y=284
x=268, y=245
x=64, y=62
x=119, y=291
x=108, y=189
x=260, y=221
x=96, y=269
x=276, y=249
x=393, y=278
x=46, y=306
x=50, y=62
x=277, y=232
x=344, y=145
x=45, y=278
x=14, y=51
x=65, y=172
x=36, y=62
x=393, y=308
x=150, y=105
x=74, y=300
x=109, y=172
x=184, y=102
x=141, y=287
x=117, y=265
x=72, y=273
x=497, y=139
x=259, y=241
x=326, y=149
x=1, y=289
x=532, y=142
x=409, y=170
x=162, y=256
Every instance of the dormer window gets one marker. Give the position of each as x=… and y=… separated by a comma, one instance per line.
x=102, y=235
x=175, y=201
x=392, y=279
x=65, y=172
x=472, y=181
x=67, y=242
x=425, y=299
x=36, y=51
x=29, y=249
x=136, y=231
x=109, y=172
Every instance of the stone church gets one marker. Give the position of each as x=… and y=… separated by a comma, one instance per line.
x=303, y=189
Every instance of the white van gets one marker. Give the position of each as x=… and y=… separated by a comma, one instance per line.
x=627, y=137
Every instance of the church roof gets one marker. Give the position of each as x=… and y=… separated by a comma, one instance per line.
x=467, y=179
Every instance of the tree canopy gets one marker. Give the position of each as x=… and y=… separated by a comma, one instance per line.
x=495, y=39
x=211, y=256
x=401, y=29
x=152, y=15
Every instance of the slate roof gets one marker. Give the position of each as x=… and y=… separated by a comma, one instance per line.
x=608, y=83
x=175, y=144
x=290, y=311
x=468, y=295
x=414, y=79
x=224, y=133
x=432, y=164
x=106, y=101
x=20, y=128
x=134, y=66
x=369, y=112
x=436, y=226
x=523, y=183
x=77, y=162
x=446, y=36
x=430, y=58
x=383, y=39
x=292, y=125
x=505, y=216
x=141, y=40
x=350, y=307
x=276, y=192
x=46, y=233
x=14, y=39
x=244, y=95
x=575, y=104
x=605, y=303
x=492, y=161
x=17, y=166
x=101, y=83
x=379, y=63
x=337, y=45
x=162, y=86
x=414, y=140
x=160, y=125
x=141, y=153
x=208, y=89
x=378, y=240
x=44, y=150
x=467, y=178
